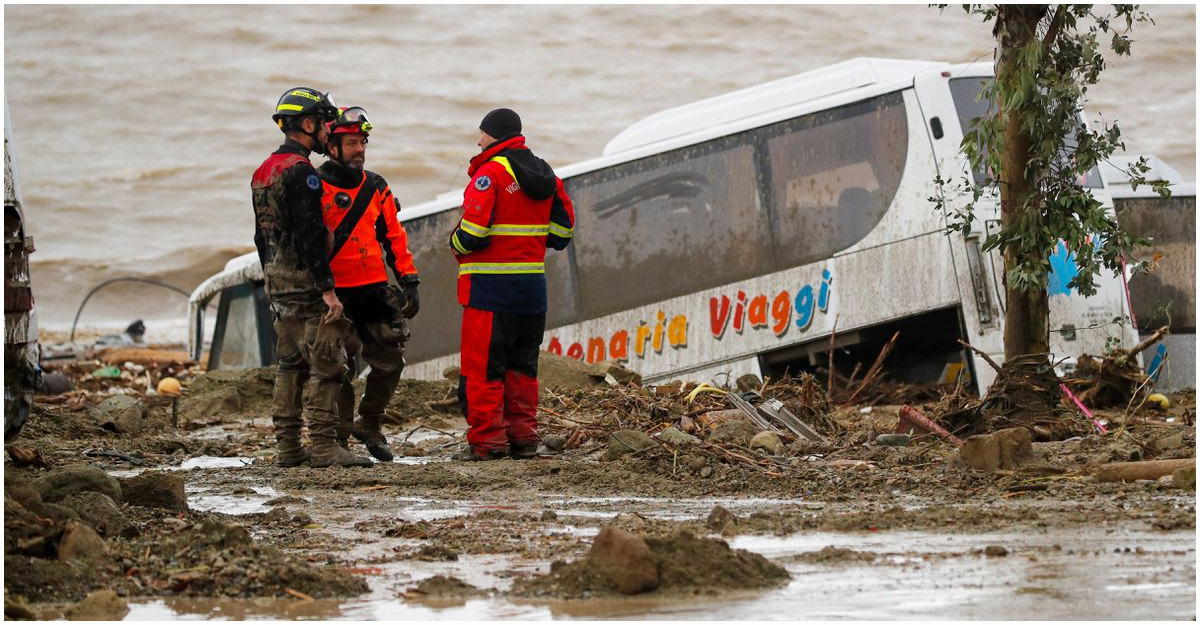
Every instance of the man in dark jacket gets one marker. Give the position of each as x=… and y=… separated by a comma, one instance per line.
x=367, y=239
x=311, y=332
x=513, y=209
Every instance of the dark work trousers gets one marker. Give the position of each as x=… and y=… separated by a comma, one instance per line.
x=499, y=377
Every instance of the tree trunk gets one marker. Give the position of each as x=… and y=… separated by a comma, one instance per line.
x=1027, y=314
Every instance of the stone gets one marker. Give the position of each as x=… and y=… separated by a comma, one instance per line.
x=737, y=431
x=694, y=463
x=617, y=375
x=892, y=440
x=995, y=551
x=101, y=605
x=80, y=542
x=673, y=436
x=59, y=484
x=730, y=530
x=624, y=560
x=220, y=400
x=56, y=384
x=554, y=442
x=156, y=489
x=718, y=518
x=1184, y=478
x=101, y=512
x=1167, y=443
x=748, y=382
x=706, y=472
x=549, y=515
x=768, y=442
x=629, y=521
x=1002, y=449
x=120, y=413
x=623, y=442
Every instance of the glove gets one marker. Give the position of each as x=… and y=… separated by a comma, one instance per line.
x=410, y=302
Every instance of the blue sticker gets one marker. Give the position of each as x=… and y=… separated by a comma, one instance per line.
x=483, y=183
x=314, y=182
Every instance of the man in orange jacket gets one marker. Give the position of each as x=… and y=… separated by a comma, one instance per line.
x=513, y=209
x=366, y=239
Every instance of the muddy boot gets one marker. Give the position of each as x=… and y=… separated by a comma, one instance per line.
x=291, y=452
x=345, y=412
x=523, y=450
x=366, y=429
x=286, y=418
x=326, y=452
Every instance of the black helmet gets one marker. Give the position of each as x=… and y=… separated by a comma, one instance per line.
x=301, y=101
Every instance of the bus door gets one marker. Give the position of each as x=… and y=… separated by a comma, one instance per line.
x=948, y=104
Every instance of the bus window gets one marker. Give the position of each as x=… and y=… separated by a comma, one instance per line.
x=436, y=328
x=834, y=174
x=235, y=339
x=668, y=225
x=965, y=92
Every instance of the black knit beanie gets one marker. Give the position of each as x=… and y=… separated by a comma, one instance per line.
x=501, y=124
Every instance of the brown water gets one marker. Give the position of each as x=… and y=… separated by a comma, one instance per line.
x=137, y=127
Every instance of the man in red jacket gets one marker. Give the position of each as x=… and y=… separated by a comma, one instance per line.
x=513, y=209
x=360, y=212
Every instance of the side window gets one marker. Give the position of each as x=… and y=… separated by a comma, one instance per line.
x=965, y=92
x=833, y=175
x=436, y=330
x=667, y=225
x=236, y=335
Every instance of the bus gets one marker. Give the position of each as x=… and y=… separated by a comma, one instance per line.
x=754, y=232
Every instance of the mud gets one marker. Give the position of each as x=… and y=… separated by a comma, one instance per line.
x=260, y=541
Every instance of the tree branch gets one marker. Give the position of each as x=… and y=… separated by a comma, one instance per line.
x=1056, y=24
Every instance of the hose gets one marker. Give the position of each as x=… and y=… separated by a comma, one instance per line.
x=122, y=279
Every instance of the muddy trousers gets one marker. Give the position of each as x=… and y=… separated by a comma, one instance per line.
x=499, y=384
x=383, y=350
x=311, y=358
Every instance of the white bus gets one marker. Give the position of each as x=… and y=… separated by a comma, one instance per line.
x=730, y=235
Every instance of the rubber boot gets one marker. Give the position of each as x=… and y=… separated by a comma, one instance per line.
x=326, y=452
x=286, y=418
x=366, y=429
x=345, y=412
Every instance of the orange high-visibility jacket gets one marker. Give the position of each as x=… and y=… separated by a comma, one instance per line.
x=360, y=255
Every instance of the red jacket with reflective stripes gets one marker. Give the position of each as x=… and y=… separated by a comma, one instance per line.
x=513, y=209
x=378, y=233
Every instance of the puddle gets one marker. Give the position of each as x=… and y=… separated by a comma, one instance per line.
x=199, y=462
x=202, y=499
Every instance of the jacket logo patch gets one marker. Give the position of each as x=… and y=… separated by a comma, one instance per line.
x=483, y=183
x=314, y=183
x=513, y=188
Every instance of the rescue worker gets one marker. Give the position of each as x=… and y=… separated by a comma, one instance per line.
x=513, y=209
x=360, y=212
x=310, y=330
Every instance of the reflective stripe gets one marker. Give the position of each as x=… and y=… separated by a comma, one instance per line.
x=507, y=167
x=561, y=231
x=521, y=230
x=458, y=245
x=474, y=230
x=501, y=268
x=289, y=107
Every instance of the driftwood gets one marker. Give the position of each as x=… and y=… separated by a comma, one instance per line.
x=875, y=367
x=1115, y=379
x=1145, y=470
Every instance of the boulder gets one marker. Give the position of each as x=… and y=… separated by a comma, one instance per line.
x=737, y=432
x=59, y=484
x=768, y=442
x=623, y=442
x=155, y=489
x=101, y=605
x=1184, y=477
x=674, y=436
x=80, y=542
x=1002, y=449
x=624, y=560
x=215, y=401
x=120, y=413
x=100, y=512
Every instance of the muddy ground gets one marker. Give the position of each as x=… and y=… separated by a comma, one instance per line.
x=212, y=528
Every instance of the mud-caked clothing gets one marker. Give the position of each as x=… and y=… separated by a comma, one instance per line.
x=312, y=357
x=513, y=209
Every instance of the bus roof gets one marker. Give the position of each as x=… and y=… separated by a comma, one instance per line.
x=730, y=112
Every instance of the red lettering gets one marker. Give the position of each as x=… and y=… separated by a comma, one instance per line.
x=575, y=351
x=758, y=312
x=618, y=347
x=555, y=346
x=595, y=352
x=718, y=315
x=738, y=312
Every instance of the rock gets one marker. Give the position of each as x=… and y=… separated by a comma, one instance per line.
x=694, y=463
x=17, y=609
x=719, y=518
x=675, y=437
x=736, y=431
x=100, y=512
x=81, y=542
x=995, y=551
x=624, y=560
x=56, y=384
x=749, y=382
x=623, y=442
x=215, y=401
x=1167, y=443
x=549, y=515
x=554, y=442
x=892, y=440
x=102, y=605
x=1184, y=478
x=768, y=442
x=120, y=413
x=706, y=472
x=617, y=375
x=629, y=521
x=443, y=586
x=59, y=484
x=1002, y=449
x=730, y=530
x=155, y=489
